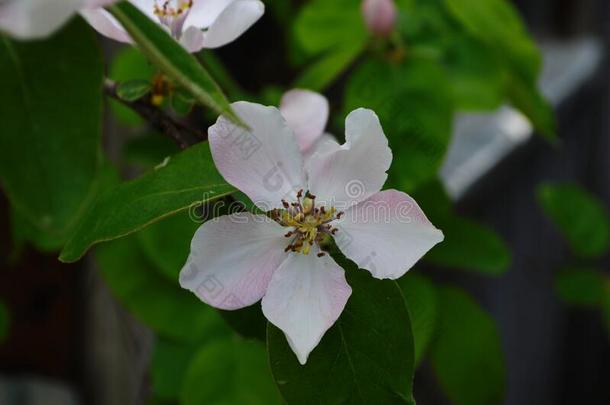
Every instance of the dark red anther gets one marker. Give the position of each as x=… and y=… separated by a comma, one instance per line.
x=321, y=254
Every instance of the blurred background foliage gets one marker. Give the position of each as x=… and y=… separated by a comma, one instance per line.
x=445, y=57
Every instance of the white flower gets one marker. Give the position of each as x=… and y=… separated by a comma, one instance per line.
x=196, y=24
x=30, y=19
x=331, y=190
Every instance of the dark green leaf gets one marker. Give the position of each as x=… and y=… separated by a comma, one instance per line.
x=169, y=363
x=422, y=298
x=163, y=306
x=366, y=357
x=469, y=245
x=50, y=126
x=580, y=216
x=415, y=106
x=582, y=287
x=149, y=150
x=249, y=322
x=167, y=243
x=133, y=90
x=467, y=354
x=184, y=180
x=4, y=322
x=229, y=372
x=179, y=65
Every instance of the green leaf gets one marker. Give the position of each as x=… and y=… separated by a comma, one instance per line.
x=517, y=50
x=129, y=64
x=366, y=357
x=133, y=90
x=415, y=106
x=165, y=307
x=229, y=372
x=179, y=65
x=170, y=361
x=167, y=243
x=422, y=298
x=184, y=180
x=324, y=25
x=324, y=71
x=50, y=126
x=469, y=245
x=467, y=354
x=5, y=321
x=248, y=322
x=579, y=215
x=149, y=150
x=581, y=287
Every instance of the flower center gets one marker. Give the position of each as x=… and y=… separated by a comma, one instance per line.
x=310, y=224
x=172, y=14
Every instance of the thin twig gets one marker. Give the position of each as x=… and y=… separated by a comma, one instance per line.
x=182, y=134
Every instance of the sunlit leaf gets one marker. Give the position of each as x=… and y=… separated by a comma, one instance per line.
x=366, y=357
x=467, y=354
x=187, y=178
x=579, y=215
x=229, y=372
x=50, y=126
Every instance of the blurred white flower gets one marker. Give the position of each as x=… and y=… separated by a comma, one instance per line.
x=196, y=24
x=32, y=19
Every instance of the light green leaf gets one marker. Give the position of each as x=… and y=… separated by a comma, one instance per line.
x=182, y=67
x=581, y=287
x=129, y=64
x=579, y=215
x=50, y=126
x=324, y=25
x=165, y=307
x=133, y=90
x=422, y=298
x=230, y=372
x=187, y=178
x=367, y=357
x=415, y=106
x=467, y=354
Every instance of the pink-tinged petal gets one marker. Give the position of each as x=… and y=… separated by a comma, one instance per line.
x=263, y=162
x=205, y=12
x=232, y=22
x=33, y=19
x=386, y=234
x=304, y=299
x=192, y=39
x=104, y=23
x=379, y=16
x=357, y=169
x=232, y=260
x=306, y=113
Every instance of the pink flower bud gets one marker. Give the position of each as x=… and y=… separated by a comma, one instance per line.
x=379, y=16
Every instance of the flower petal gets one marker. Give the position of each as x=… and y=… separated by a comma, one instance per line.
x=192, y=39
x=264, y=162
x=386, y=234
x=232, y=22
x=304, y=299
x=97, y=3
x=204, y=12
x=31, y=19
x=232, y=260
x=105, y=23
x=357, y=169
x=306, y=113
